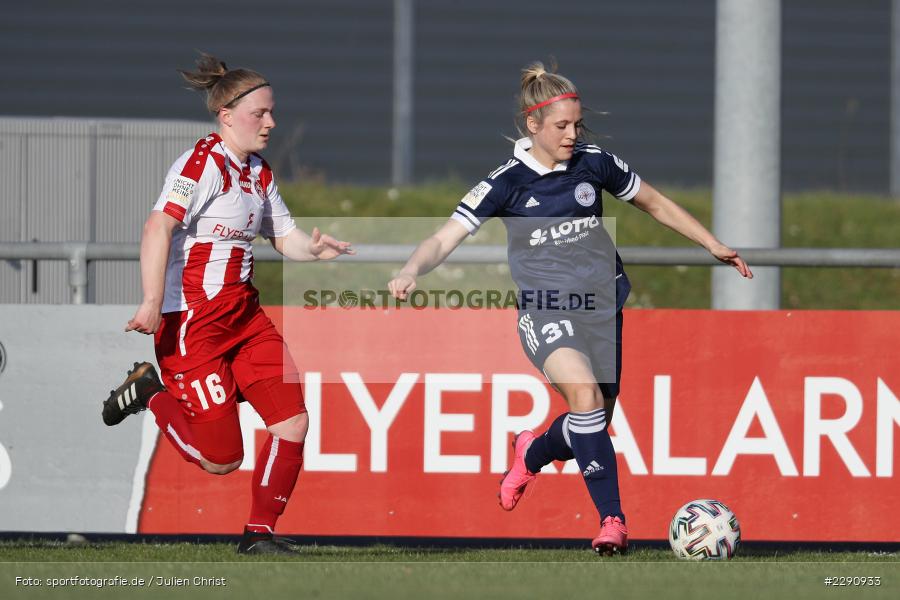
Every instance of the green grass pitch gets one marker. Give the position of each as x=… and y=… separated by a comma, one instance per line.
x=201, y=570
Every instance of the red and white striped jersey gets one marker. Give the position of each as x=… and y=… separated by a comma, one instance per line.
x=222, y=205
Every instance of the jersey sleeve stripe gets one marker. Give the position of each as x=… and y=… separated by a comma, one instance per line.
x=174, y=210
x=630, y=190
x=464, y=221
x=469, y=215
x=503, y=169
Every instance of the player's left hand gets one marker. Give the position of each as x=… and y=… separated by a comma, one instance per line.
x=325, y=247
x=146, y=319
x=730, y=257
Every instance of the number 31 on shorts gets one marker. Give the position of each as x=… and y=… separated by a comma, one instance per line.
x=552, y=331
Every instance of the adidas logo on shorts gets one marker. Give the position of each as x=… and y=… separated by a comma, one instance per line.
x=532, y=203
x=592, y=468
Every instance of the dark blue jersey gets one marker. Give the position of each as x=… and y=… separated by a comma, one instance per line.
x=557, y=245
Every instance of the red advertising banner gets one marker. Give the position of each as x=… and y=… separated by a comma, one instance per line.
x=787, y=417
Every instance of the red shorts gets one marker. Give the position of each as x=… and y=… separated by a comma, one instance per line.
x=212, y=354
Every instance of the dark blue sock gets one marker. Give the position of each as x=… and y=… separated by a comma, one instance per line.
x=548, y=447
x=596, y=457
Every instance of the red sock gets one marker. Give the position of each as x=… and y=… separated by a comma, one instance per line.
x=277, y=467
x=174, y=426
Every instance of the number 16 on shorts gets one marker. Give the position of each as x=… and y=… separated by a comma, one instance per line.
x=205, y=388
x=214, y=387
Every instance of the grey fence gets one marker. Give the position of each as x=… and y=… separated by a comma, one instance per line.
x=79, y=255
x=92, y=180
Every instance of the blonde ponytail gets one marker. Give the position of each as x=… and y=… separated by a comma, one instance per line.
x=538, y=86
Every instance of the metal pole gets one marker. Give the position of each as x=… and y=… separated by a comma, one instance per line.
x=78, y=272
x=402, y=159
x=747, y=170
x=481, y=254
x=895, y=98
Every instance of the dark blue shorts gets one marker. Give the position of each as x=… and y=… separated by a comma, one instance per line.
x=543, y=331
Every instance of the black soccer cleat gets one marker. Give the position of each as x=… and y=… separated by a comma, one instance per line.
x=132, y=396
x=254, y=542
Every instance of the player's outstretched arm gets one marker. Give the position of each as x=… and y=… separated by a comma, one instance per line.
x=155, y=242
x=427, y=256
x=678, y=219
x=299, y=246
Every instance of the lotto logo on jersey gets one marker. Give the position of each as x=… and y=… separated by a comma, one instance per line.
x=182, y=190
x=565, y=233
x=476, y=195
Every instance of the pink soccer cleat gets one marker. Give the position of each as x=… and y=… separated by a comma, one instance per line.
x=613, y=538
x=512, y=486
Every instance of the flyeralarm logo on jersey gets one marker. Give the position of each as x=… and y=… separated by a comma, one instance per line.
x=763, y=410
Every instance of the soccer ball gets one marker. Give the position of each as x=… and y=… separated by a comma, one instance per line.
x=704, y=530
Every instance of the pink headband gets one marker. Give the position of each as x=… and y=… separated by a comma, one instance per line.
x=551, y=101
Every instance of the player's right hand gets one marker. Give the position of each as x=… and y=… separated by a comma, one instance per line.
x=730, y=257
x=146, y=320
x=402, y=286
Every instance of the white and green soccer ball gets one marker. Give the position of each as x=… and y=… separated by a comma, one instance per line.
x=704, y=530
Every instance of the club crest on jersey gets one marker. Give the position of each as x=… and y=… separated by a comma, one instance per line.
x=259, y=188
x=476, y=195
x=585, y=194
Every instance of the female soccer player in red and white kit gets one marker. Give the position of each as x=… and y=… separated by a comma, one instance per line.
x=550, y=187
x=214, y=344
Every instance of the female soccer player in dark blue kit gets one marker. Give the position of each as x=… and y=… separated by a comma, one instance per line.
x=571, y=283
